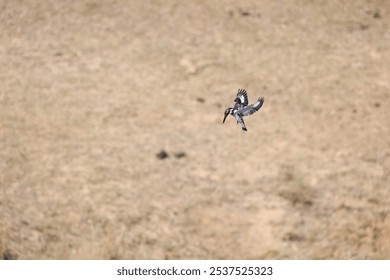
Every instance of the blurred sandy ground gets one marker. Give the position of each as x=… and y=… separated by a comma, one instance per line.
x=91, y=91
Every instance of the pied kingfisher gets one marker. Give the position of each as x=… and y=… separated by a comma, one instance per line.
x=242, y=109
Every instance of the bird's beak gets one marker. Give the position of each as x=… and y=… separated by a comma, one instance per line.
x=225, y=118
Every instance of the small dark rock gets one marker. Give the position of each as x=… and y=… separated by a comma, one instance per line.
x=293, y=237
x=245, y=13
x=307, y=202
x=364, y=26
x=162, y=155
x=377, y=104
x=373, y=200
x=7, y=255
x=180, y=155
x=377, y=15
x=200, y=99
x=114, y=257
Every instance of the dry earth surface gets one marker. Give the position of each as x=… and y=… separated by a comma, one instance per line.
x=91, y=91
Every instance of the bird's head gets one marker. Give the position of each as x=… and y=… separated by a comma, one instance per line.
x=227, y=112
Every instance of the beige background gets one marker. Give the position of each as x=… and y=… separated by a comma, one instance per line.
x=91, y=91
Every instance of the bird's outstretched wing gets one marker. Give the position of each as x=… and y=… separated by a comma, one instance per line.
x=240, y=120
x=241, y=99
x=249, y=110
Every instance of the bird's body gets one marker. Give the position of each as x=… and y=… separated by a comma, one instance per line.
x=242, y=109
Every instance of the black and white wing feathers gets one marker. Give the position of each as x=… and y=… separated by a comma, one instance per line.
x=249, y=110
x=241, y=99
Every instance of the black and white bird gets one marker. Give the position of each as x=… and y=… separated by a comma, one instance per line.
x=242, y=109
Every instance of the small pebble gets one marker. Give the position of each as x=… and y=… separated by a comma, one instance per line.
x=180, y=155
x=377, y=14
x=7, y=255
x=162, y=155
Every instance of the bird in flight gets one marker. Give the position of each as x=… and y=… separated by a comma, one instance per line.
x=242, y=109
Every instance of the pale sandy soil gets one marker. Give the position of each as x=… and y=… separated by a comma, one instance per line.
x=91, y=91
